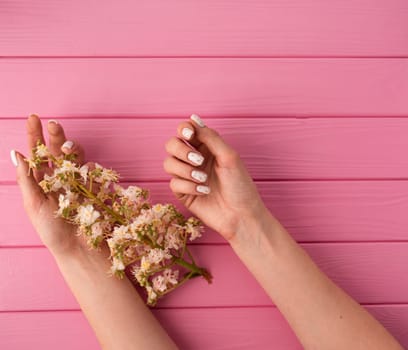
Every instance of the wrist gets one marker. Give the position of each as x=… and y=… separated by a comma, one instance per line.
x=80, y=252
x=252, y=230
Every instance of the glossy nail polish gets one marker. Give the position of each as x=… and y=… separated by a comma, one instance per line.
x=13, y=156
x=203, y=189
x=199, y=176
x=195, y=158
x=196, y=119
x=68, y=144
x=187, y=133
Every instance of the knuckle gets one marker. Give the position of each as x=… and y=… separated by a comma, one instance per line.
x=231, y=157
x=169, y=145
x=173, y=184
x=166, y=164
x=214, y=132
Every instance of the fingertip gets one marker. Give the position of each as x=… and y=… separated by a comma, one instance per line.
x=68, y=147
x=21, y=167
x=54, y=128
x=197, y=120
x=202, y=189
x=14, y=157
x=33, y=120
x=186, y=131
x=72, y=147
x=33, y=116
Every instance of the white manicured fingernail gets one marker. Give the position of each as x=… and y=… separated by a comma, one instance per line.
x=203, y=189
x=199, y=176
x=187, y=133
x=196, y=119
x=195, y=158
x=13, y=156
x=52, y=121
x=68, y=144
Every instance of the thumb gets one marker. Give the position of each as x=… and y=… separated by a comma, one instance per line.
x=33, y=196
x=214, y=142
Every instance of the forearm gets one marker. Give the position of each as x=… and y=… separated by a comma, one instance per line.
x=321, y=314
x=112, y=306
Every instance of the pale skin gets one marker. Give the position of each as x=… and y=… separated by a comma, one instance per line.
x=321, y=314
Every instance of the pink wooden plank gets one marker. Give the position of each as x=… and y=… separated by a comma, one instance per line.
x=224, y=328
x=370, y=272
x=272, y=148
x=242, y=27
x=211, y=87
x=312, y=211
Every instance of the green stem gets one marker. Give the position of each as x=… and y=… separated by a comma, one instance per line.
x=196, y=270
x=90, y=195
x=190, y=255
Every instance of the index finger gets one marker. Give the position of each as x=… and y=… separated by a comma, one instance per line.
x=34, y=131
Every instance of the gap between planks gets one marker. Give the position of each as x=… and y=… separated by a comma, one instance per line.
x=294, y=57
x=209, y=117
x=197, y=308
x=218, y=244
x=293, y=180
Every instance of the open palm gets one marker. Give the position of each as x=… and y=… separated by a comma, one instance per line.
x=54, y=232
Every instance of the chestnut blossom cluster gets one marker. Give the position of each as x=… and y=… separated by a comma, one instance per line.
x=150, y=238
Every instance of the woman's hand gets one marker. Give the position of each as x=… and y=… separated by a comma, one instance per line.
x=56, y=234
x=210, y=179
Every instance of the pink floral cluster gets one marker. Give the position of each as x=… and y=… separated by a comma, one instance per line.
x=152, y=239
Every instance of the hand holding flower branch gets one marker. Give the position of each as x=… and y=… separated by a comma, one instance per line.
x=150, y=238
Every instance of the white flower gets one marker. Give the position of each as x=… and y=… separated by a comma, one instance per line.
x=171, y=276
x=83, y=171
x=42, y=151
x=87, y=215
x=122, y=232
x=145, y=218
x=159, y=210
x=144, y=264
x=172, y=238
x=97, y=230
x=117, y=265
x=157, y=255
x=132, y=193
x=55, y=183
x=159, y=283
x=63, y=202
x=106, y=174
x=193, y=229
x=151, y=295
x=68, y=166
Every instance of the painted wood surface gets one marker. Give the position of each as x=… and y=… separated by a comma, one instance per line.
x=314, y=97
x=318, y=211
x=204, y=28
x=367, y=271
x=271, y=148
x=215, y=328
x=217, y=87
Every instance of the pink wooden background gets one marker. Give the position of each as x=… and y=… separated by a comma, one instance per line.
x=314, y=95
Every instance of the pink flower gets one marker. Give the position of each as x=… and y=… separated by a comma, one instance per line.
x=171, y=276
x=159, y=283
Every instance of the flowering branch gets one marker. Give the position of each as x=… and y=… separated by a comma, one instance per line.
x=150, y=238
